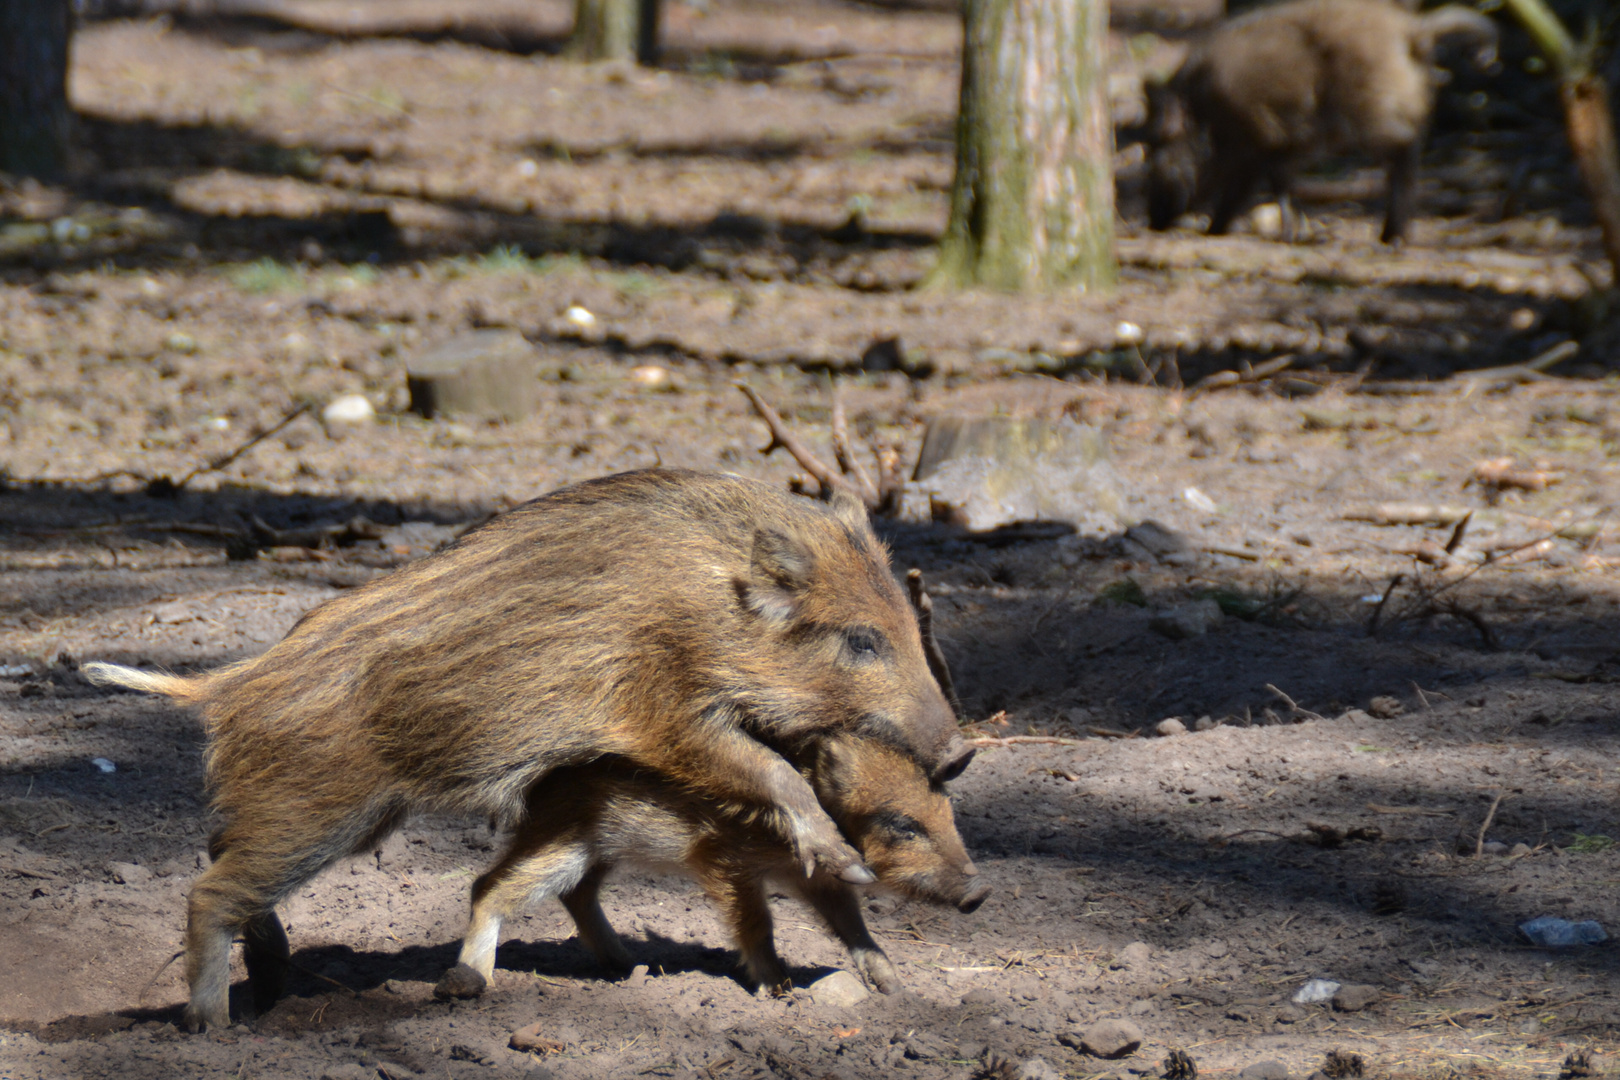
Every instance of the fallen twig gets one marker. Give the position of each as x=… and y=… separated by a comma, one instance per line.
x=844, y=453
x=163, y=484
x=1247, y=374
x=1490, y=816
x=786, y=440
x=1378, y=612
x=1293, y=706
x=1027, y=740
x=1409, y=514
x=1413, y=811
x=923, y=605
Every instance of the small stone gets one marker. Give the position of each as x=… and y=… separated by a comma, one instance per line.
x=579, y=316
x=129, y=873
x=1519, y=850
x=981, y=996
x=1206, y=723
x=652, y=377
x=1134, y=955
x=348, y=1071
x=1127, y=334
x=1188, y=620
x=1170, y=725
x=1385, y=707
x=1316, y=991
x=348, y=410
x=637, y=976
x=1038, y=1069
x=840, y=990
x=1493, y=847
x=1355, y=997
x=180, y=342
x=460, y=981
x=1265, y=1070
x=1111, y=1039
x=529, y=1040
x=103, y=764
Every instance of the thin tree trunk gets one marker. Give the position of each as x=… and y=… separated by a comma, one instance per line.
x=1588, y=119
x=34, y=116
x=615, y=30
x=1032, y=206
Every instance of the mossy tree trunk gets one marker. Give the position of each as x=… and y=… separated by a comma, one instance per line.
x=34, y=114
x=615, y=30
x=1032, y=206
x=1587, y=116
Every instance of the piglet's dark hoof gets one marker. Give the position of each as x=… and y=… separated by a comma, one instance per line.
x=460, y=981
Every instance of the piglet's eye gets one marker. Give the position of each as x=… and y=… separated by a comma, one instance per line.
x=900, y=826
x=863, y=644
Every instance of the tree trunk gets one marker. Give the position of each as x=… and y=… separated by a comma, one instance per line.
x=615, y=30
x=1032, y=206
x=33, y=87
x=1587, y=118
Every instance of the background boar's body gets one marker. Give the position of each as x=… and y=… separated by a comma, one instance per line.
x=1271, y=89
x=586, y=819
x=679, y=620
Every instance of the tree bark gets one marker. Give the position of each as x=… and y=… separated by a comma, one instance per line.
x=1032, y=206
x=34, y=116
x=615, y=30
x=1588, y=119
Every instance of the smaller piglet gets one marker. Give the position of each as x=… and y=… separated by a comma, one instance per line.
x=584, y=820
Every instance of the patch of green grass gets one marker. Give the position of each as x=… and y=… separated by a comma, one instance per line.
x=264, y=276
x=1368, y=749
x=1590, y=845
x=1125, y=591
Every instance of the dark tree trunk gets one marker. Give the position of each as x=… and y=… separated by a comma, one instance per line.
x=1032, y=206
x=33, y=87
x=615, y=30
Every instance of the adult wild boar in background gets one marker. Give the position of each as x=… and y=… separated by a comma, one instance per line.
x=585, y=820
x=1263, y=93
x=691, y=624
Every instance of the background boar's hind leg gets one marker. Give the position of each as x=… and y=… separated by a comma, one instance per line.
x=535, y=868
x=840, y=906
x=741, y=899
x=584, y=903
x=266, y=953
x=1402, y=184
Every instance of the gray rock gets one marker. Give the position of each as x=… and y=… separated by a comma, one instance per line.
x=981, y=996
x=840, y=990
x=1170, y=725
x=1265, y=1070
x=1154, y=541
x=1188, y=620
x=1355, y=997
x=1206, y=723
x=1038, y=1069
x=484, y=373
x=1111, y=1039
x=1134, y=955
x=986, y=472
x=1520, y=849
x=348, y=1071
x=129, y=873
x=1493, y=847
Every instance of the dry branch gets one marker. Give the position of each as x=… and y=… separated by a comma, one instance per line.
x=923, y=604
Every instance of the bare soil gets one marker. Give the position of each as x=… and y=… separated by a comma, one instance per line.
x=277, y=211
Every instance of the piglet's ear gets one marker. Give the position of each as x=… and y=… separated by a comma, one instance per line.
x=778, y=576
x=848, y=509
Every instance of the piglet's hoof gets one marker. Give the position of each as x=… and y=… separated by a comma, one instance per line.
x=460, y=981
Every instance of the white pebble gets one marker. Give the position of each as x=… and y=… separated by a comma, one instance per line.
x=103, y=764
x=578, y=316
x=1128, y=333
x=1198, y=500
x=349, y=409
x=651, y=377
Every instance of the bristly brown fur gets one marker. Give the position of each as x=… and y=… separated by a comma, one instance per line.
x=695, y=625
x=1272, y=88
x=585, y=820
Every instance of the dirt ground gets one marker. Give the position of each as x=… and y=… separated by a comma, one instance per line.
x=1395, y=753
